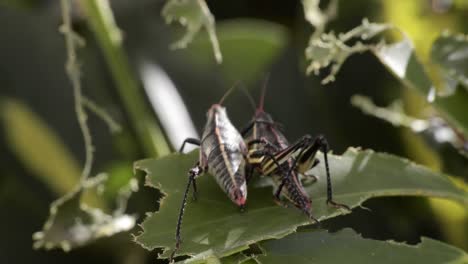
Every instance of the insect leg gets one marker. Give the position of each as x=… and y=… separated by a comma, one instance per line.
x=249, y=170
x=308, y=177
x=193, y=141
x=321, y=142
x=301, y=145
x=193, y=173
x=195, y=190
x=316, y=162
x=247, y=128
x=288, y=175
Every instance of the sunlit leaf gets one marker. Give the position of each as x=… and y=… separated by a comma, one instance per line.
x=401, y=60
x=434, y=126
x=193, y=14
x=214, y=226
x=394, y=113
x=348, y=247
x=450, y=52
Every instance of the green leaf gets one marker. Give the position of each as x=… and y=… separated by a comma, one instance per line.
x=450, y=52
x=249, y=47
x=395, y=115
x=214, y=226
x=238, y=259
x=348, y=247
x=72, y=223
x=329, y=49
x=400, y=59
x=453, y=109
x=193, y=14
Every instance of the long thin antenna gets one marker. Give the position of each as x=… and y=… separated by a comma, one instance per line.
x=249, y=97
x=262, y=97
x=228, y=92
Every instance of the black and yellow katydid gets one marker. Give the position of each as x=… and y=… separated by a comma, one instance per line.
x=271, y=154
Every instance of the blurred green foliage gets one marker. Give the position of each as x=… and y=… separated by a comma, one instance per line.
x=35, y=145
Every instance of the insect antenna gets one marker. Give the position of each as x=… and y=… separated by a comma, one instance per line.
x=228, y=92
x=249, y=97
x=261, y=103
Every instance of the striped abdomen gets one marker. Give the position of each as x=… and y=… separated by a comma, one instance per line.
x=223, y=153
x=227, y=165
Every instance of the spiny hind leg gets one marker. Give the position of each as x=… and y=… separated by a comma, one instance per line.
x=193, y=173
x=308, y=148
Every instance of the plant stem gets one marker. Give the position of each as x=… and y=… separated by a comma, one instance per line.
x=73, y=71
x=148, y=131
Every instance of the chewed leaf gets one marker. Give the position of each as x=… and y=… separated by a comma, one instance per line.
x=348, y=247
x=394, y=113
x=400, y=59
x=72, y=223
x=329, y=49
x=434, y=126
x=317, y=17
x=213, y=226
x=450, y=52
x=193, y=14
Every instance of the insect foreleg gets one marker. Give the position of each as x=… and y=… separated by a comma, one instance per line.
x=247, y=128
x=197, y=170
x=193, y=141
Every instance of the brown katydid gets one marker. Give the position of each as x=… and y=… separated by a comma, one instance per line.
x=223, y=154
